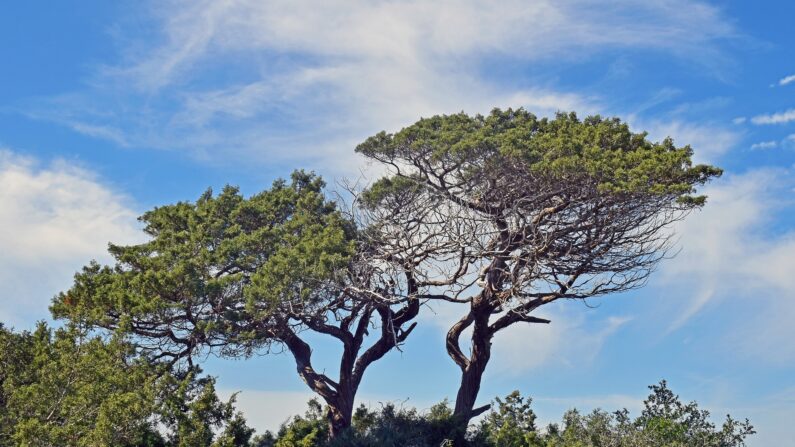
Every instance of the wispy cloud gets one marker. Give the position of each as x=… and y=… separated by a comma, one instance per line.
x=305, y=81
x=106, y=133
x=764, y=145
x=775, y=118
x=573, y=339
x=407, y=34
x=568, y=341
x=709, y=140
x=55, y=219
x=786, y=80
x=729, y=255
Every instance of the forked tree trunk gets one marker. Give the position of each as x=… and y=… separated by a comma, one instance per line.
x=339, y=396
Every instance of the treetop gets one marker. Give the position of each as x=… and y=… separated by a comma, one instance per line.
x=602, y=150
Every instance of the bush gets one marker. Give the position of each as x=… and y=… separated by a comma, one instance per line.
x=664, y=422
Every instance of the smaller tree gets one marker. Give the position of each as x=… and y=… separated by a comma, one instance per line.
x=66, y=387
x=511, y=423
x=669, y=421
x=236, y=276
x=664, y=422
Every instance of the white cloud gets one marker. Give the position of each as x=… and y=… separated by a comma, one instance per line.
x=739, y=120
x=267, y=410
x=567, y=341
x=708, y=140
x=715, y=240
x=406, y=36
x=786, y=80
x=764, y=145
x=102, y=132
x=55, y=219
x=335, y=72
x=775, y=118
x=730, y=255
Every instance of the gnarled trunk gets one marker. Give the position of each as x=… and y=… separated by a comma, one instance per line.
x=340, y=395
x=468, y=392
x=472, y=366
x=340, y=414
x=472, y=375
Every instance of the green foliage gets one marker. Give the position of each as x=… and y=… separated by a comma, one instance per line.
x=388, y=427
x=191, y=411
x=511, y=424
x=596, y=149
x=64, y=387
x=670, y=421
x=664, y=422
x=216, y=272
x=394, y=427
x=308, y=431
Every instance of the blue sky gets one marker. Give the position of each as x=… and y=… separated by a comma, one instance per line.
x=110, y=108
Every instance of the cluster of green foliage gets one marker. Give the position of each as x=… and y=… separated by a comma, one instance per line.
x=64, y=387
x=665, y=421
x=215, y=274
x=600, y=149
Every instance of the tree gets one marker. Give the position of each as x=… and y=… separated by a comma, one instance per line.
x=64, y=388
x=507, y=213
x=192, y=414
x=67, y=387
x=510, y=424
x=664, y=422
x=235, y=276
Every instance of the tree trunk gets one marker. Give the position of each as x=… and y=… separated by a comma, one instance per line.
x=339, y=396
x=340, y=415
x=468, y=392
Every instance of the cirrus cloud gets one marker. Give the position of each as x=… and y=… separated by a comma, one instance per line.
x=304, y=81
